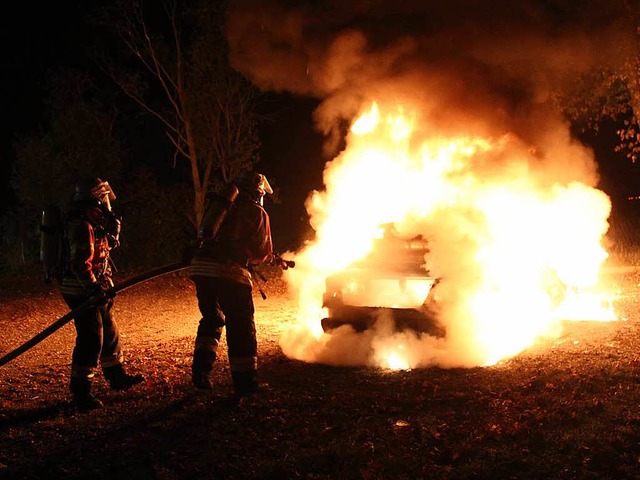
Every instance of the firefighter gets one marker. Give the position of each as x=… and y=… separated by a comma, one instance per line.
x=91, y=231
x=221, y=271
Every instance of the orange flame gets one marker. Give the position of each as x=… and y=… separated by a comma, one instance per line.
x=516, y=252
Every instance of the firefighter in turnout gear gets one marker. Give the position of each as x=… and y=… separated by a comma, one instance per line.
x=91, y=231
x=221, y=271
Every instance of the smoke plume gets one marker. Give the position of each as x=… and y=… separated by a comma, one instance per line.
x=456, y=57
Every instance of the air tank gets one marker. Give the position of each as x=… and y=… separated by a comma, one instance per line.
x=217, y=210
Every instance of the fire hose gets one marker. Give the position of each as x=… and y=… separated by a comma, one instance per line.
x=110, y=293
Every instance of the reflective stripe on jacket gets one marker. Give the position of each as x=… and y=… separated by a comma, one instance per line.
x=204, y=267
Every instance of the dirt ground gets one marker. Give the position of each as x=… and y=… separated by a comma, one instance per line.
x=567, y=408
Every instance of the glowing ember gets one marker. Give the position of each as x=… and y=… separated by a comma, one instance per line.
x=517, y=245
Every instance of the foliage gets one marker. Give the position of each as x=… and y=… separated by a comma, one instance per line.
x=178, y=72
x=12, y=246
x=155, y=229
x=79, y=140
x=605, y=94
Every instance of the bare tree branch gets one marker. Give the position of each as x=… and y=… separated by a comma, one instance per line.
x=203, y=104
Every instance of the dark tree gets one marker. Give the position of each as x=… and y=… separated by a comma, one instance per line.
x=176, y=69
x=77, y=138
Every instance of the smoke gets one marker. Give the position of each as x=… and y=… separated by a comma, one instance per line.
x=457, y=57
x=488, y=68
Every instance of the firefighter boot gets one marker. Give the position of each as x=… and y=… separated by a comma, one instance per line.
x=83, y=400
x=201, y=378
x=120, y=380
x=202, y=367
x=245, y=383
x=201, y=373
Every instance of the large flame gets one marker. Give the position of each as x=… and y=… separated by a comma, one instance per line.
x=517, y=251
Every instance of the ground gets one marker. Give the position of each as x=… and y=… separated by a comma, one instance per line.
x=567, y=408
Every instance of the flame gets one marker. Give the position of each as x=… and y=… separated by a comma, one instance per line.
x=516, y=250
x=394, y=359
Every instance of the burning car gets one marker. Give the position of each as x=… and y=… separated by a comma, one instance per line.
x=391, y=281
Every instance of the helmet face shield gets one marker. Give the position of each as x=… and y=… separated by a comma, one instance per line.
x=104, y=193
x=264, y=186
x=105, y=201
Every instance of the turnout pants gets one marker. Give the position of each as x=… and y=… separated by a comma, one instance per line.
x=97, y=339
x=226, y=303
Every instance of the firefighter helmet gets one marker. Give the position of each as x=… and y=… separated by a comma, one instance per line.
x=254, y=185
x=94, y=189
